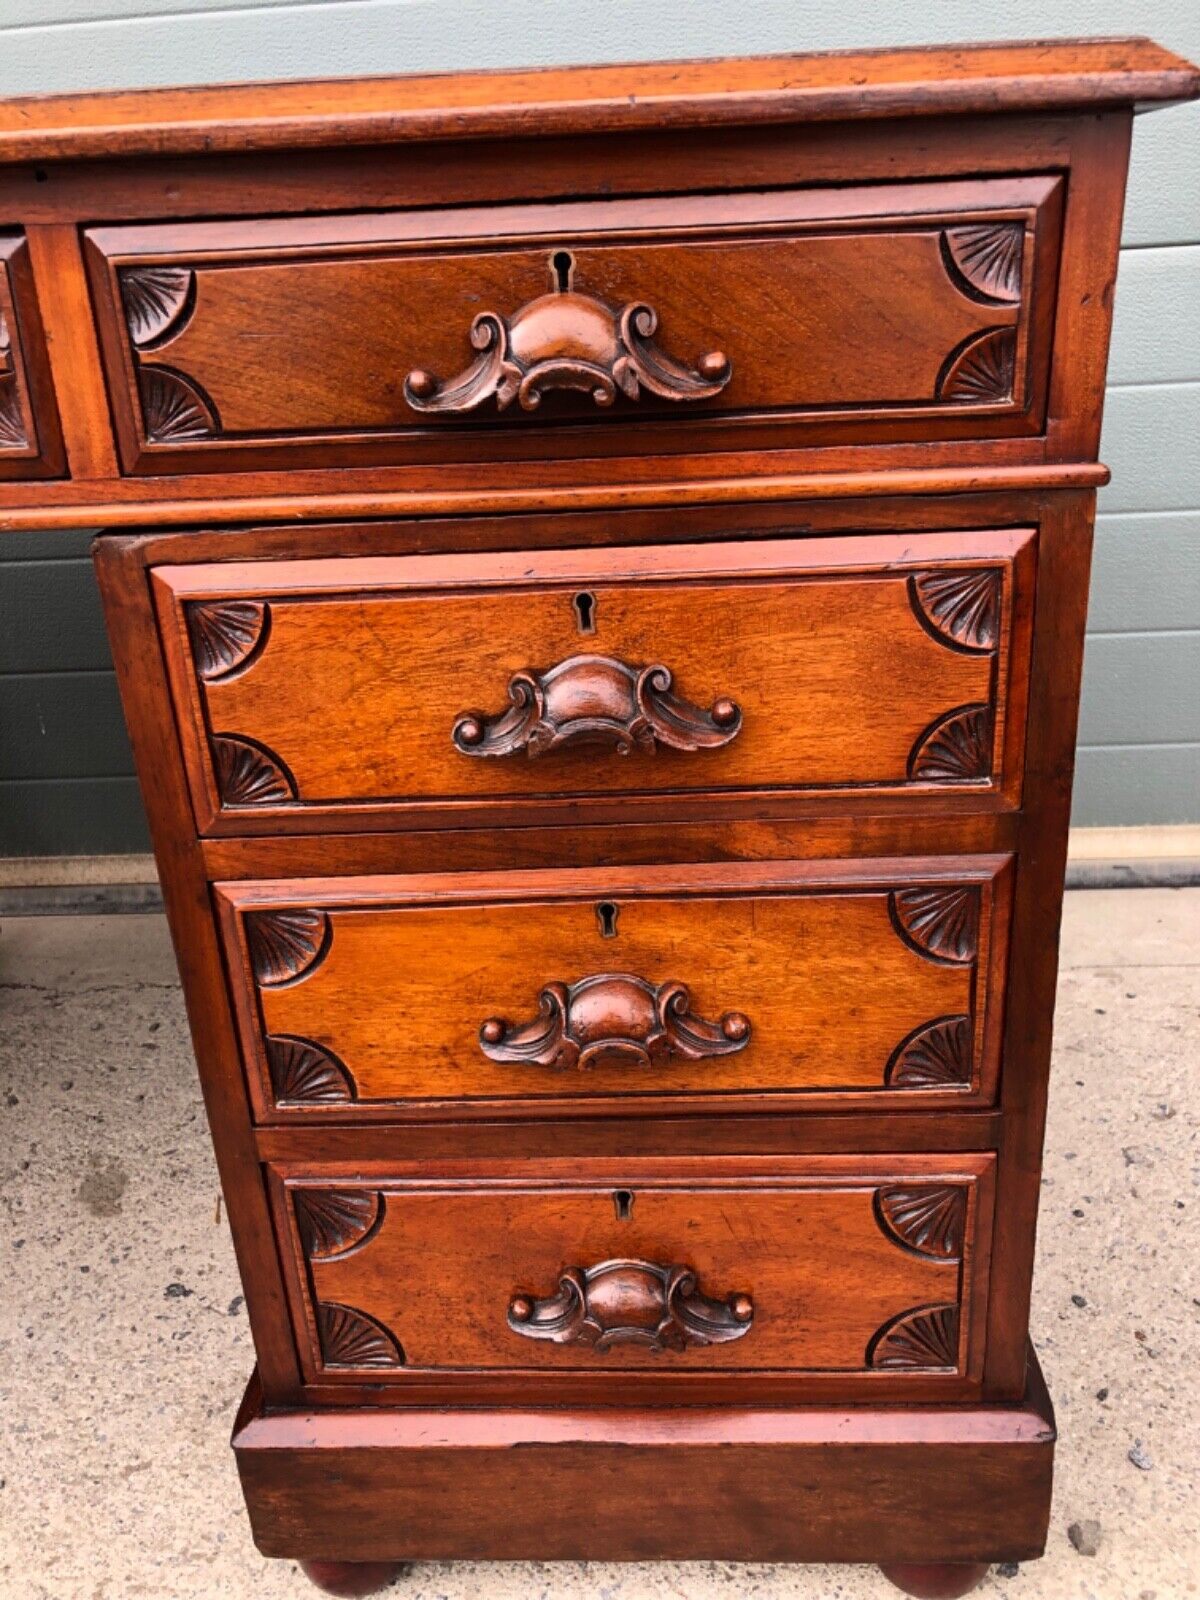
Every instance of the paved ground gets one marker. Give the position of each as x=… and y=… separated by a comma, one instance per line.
x=123, y=1343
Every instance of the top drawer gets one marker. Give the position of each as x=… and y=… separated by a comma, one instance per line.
x=30, y=441
x=862, y=315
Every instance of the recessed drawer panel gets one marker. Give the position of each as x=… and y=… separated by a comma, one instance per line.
x=30, y=440
x=741, y=986
x=527, y=686
x=856, y=315
x=864, y=1273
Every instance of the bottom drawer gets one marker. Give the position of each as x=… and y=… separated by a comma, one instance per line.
x=853, y=1274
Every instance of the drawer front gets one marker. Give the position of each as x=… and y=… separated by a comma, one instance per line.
x=473, y=687
x=869, y=1272
x=835, y=985
x=30, y=440
x=855, y=315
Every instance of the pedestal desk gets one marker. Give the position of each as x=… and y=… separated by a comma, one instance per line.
x=596, y=562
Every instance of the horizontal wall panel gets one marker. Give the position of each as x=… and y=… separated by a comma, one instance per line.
x=1163, y=198
x=1156, y=322
x=1151, y=444
x=1146, y=572
x=64, y=725
x=1141, y=689
x=41, y=13
x=92, y=816
x=45, y=544
x=1148, y=785
x=50, y=618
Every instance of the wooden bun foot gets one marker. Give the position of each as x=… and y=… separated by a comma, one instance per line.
x=935, y=1580
x=352, y=1578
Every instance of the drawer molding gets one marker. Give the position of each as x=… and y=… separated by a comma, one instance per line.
x=631, y=1302
x=613, y=1015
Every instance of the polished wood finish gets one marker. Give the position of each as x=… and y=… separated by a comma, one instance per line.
x=711, y=1483
x=769, y=315
x=435, y=1284
x=351, y=1578
x=321, y=690
x=30, y=439
x=604, y=684
x=825, y=984
x=942, y=1580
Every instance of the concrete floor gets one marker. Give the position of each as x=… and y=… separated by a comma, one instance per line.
x=124, y=1346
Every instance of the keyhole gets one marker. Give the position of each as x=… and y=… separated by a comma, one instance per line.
x=623, y=1204
x=606, y=916
x=562, y=266
x=585, y=611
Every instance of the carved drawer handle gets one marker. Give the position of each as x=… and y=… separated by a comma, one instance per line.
x=595, y=700
x=613, y=1015
x=630, y=1302
x=566, y=340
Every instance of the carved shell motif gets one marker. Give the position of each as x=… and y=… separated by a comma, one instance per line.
x=12, y=428
x=303, y=1073
x=961, y=606
x=332, y=1221
x=248, y=774
x=225, y=634
x=285, y=944
x=936, y=1056
x=956, y=748
x=988, y=255
x=174, y=409
x=939, y=923
x=154, y=298
x=981, y=372
x=923, y=1340
x=929, y=1219
x=350, y=1338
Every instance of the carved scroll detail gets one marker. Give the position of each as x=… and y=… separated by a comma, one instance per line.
x=936, y=1056
x=12, y=426
x=155, y=298
x=351, y=1338
x=174, y=408
x=960, y=606
x=928, y=1219
x=566, y=341
x=923, y=1340
x=631, y=1303
x=284, y=945
x=613, y=1016
x=303, y=1073
x=939, y=923
x=982, y=372
x=332, y=1221
x=957, y=748
x=988, y=256
x=248, y=774
x=225, y=634
x=595, y=700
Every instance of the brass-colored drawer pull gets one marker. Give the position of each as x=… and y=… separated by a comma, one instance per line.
x=613, y=1015
x=595, y=700
x=566, y=340
x=630, y=1302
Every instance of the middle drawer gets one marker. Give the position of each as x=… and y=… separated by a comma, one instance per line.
x=738, y=986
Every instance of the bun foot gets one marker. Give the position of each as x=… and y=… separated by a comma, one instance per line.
x=935, y=1580
x=352, y=1578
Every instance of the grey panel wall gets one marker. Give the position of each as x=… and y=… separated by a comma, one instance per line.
x=65, y=775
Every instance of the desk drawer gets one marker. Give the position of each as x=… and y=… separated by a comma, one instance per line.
x=527, y=686
x=742, y=986
x=856, y=315
x=30, y=439
x=866, y=1274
